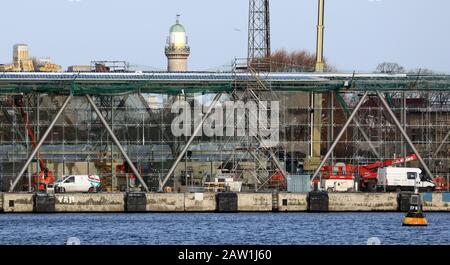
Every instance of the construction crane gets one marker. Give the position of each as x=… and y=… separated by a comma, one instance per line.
x=44, y=177
x=367, y=173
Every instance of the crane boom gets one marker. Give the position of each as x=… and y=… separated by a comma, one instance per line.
x=392, y=162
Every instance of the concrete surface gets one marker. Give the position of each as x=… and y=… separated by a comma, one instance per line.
x=362, y=202
x=165, y=202
x=200, y=202
x=435, y=202
x=18, y=202
x=292, y=202
x=93, y=202
x=254, y=202
x=206, y=202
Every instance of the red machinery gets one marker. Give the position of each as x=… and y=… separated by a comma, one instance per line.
x=278, y=180
x=441, y=184
x=101, y=68
x=367, y=173
x=45, y=177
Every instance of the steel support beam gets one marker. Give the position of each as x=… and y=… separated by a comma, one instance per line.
x=341, y=133
x=361, y=130
x=116, y=141
x=405, y=135
x=41, y=141
x=441, y=145
x=189, y=142
x=366, y=137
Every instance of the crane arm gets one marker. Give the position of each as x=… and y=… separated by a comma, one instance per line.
x=392, y=162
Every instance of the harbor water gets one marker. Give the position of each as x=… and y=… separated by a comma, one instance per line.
x=216, y=228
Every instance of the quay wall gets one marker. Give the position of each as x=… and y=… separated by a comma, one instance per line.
x=212, y=202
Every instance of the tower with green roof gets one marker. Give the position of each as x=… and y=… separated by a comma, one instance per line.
x=177, y=49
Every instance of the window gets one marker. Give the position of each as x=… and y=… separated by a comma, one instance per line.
x=411, y=175
x=70, y=180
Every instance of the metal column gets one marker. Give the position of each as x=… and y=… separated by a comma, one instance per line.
x=405, y=135
x=116, y=141
x=320, y=64
x=189, y=142
x=41, y=141
x=330, y=132
x=341, y=133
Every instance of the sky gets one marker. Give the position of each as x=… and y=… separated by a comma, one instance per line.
x=359, y=34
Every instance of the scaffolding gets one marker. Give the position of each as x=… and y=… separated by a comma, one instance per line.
x=93, y=113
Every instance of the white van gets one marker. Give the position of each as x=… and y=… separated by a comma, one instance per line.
x=403, y=178
x=78, y=183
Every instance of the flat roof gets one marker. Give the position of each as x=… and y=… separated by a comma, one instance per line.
x=212, y=82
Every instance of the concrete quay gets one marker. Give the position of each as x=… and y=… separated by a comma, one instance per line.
x=210, y=202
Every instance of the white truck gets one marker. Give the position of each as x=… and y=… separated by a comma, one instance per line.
x=78, y=183
x=402, y=178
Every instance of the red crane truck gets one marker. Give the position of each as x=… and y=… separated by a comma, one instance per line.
x=341, y=177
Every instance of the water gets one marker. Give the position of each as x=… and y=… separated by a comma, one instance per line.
x=215, y=228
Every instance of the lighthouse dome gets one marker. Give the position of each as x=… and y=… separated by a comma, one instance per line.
x=177, y=34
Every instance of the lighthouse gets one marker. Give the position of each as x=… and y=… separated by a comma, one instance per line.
x=177, y=49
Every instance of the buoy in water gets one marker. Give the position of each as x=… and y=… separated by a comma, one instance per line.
x=415, y=219
x=415, y=216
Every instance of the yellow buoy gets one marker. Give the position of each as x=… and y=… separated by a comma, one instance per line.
x=415, y=220
x=415, y=216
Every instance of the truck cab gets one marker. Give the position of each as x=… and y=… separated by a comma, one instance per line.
x=403, y=179
x=78, y=183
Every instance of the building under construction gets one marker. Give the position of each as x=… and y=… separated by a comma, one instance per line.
x=119, y=125
x=94, y=123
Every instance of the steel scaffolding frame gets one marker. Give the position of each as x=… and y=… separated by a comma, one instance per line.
x=422, y=113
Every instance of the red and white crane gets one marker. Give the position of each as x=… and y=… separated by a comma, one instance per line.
x=367, y=173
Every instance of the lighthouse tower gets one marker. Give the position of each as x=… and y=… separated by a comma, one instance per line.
x=177, y=49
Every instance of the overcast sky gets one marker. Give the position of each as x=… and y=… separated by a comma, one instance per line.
x=358, y=35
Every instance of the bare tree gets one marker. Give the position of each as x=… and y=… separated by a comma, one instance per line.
x=390, y=68
x=421, y=71
x=436, y=99
x=296, y=61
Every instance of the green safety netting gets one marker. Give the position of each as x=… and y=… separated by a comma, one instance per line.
x=410, y=83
